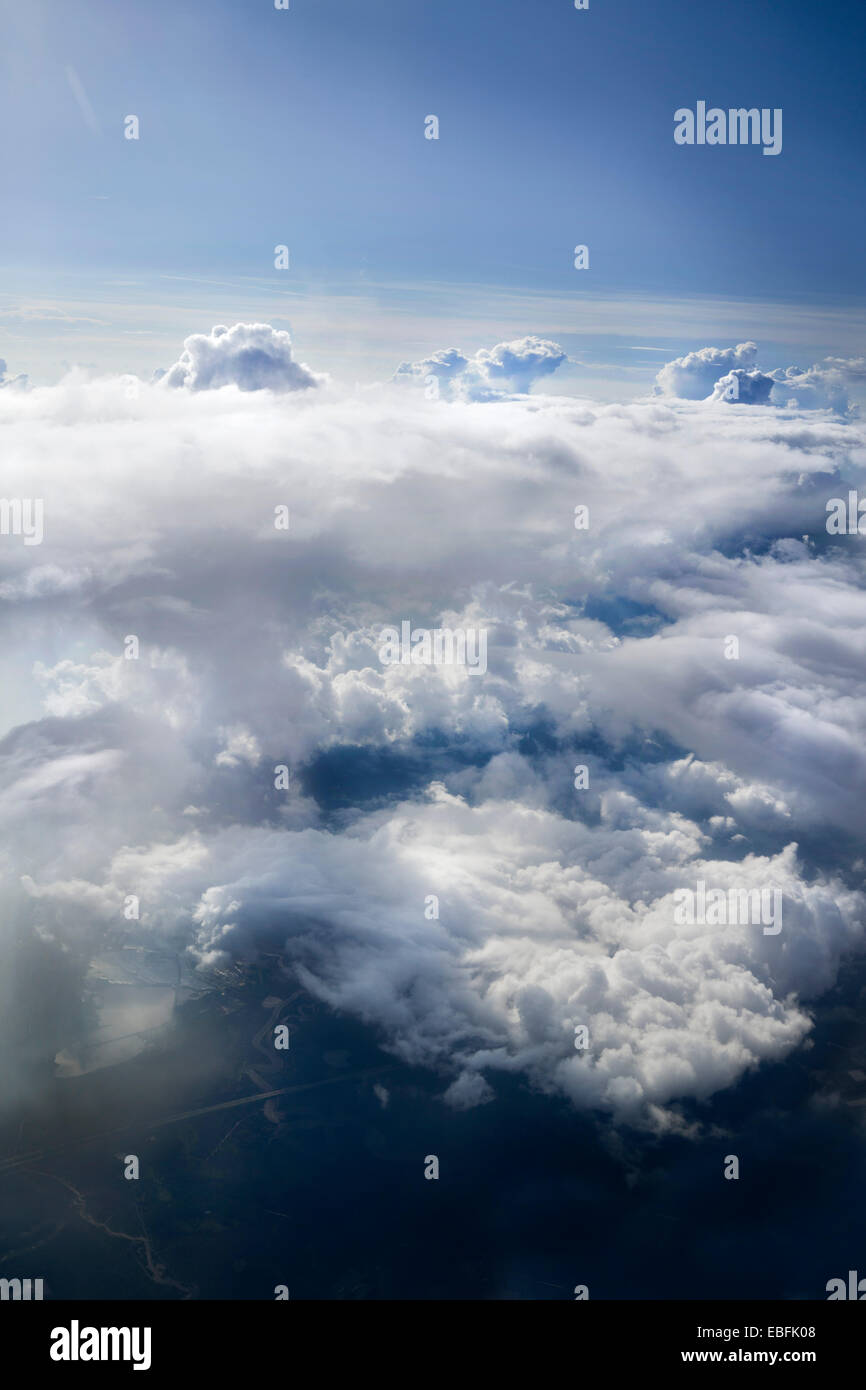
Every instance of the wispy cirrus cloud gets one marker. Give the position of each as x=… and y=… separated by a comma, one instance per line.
x=82, y=101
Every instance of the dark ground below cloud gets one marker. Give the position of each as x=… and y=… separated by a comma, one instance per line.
x=331, y=1201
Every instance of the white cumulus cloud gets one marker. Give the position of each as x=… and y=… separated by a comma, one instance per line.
x=251, y=356
x=490, y=373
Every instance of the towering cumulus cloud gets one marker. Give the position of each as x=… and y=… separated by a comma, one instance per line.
x=693, y=376
x=672, y=697
x=252, y=356
x=489, y=373
x=731, y=374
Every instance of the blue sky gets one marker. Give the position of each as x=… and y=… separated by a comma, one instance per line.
x=306, y=127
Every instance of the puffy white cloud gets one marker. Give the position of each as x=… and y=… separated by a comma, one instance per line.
x=491, y=373
x=521, y=362
x=693, y=377
x=251, y=356
x=444, y=365
x=731, y=374
x=606, y=647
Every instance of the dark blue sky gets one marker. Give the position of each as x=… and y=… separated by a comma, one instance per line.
x=556, y=127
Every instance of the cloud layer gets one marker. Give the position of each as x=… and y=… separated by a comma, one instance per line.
x=256, y=544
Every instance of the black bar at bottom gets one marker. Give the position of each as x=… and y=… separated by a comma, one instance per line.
x=407, y=1341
